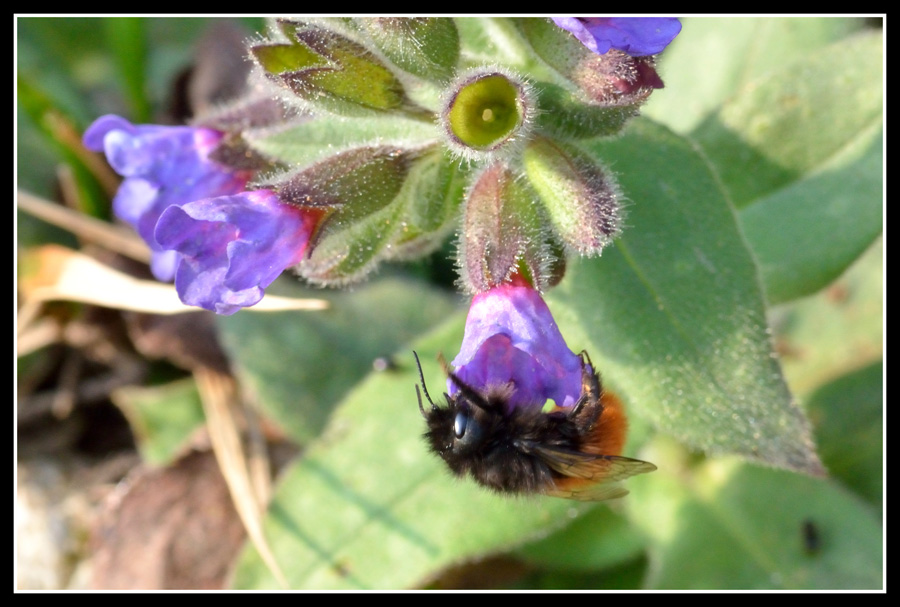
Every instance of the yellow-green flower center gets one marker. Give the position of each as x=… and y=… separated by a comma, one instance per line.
x=485, y=112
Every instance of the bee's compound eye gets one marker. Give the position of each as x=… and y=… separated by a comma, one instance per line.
x=460, y=423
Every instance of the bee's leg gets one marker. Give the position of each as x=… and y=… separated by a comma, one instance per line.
x=590, y=379
x=591, y=392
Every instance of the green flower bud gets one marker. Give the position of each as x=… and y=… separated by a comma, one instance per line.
x=487, y=111
x=359, y=190
x=614, y=79
x=580, y=196
x=502, y=233
x=330, y=71
x=427, y=47
x=563, y=114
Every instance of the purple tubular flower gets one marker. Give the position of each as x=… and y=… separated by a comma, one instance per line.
x=637, y=36
x=163, y=166
x=512, y=340
x=233, y=247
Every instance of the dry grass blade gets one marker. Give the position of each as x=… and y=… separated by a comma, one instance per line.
x=219, y=395
x=63, y=274
x=118, y=239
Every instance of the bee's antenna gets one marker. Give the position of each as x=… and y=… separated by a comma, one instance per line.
x=424, y=388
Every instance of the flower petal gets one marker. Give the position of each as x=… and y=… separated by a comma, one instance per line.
x=511, y=338
x=233, y=247
x=637, y=36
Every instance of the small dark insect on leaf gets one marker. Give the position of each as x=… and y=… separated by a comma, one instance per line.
x=567, y=452
x=812, y=538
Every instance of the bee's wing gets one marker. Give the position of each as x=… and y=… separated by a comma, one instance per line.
x=590, y=492
x=590, y=477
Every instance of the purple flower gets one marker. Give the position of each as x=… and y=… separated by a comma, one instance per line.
x=512, y=340
x=163, y=166
x=637, y=36
x=233, y=247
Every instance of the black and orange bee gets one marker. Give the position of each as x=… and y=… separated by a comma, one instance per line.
x=567, y=452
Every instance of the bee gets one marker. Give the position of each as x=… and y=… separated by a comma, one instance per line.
x=567, y=452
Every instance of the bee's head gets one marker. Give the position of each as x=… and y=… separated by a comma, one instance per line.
x=464, y=427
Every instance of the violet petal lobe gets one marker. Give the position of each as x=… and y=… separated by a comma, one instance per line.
x=163, y=166
x=512, y=339
x=233, y=247
x=637, y=36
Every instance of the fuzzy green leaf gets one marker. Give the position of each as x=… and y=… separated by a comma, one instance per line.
x=741, y=527
x=848, y=416
x=368, y=507
x=674, y=315
x=715, y=57
x=298, y=365
x=792, y=122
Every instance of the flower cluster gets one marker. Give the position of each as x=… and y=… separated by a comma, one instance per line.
x=420, y=145
x=221, y=243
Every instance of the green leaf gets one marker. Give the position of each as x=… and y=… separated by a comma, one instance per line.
x=797, y=141
x=127, y=39
x=737, y=526
x=298, y=365
x=790, y=123
x=840, y=329
x=162, y=418
x=806, y=234
x=61, y=133
x=599, y=539
x=713, y=58
x=368, y=507
x=848, y=417
x=673, y=314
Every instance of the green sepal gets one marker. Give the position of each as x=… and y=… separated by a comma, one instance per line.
x=357, y=189
x=330, y=71
x=502, y=232
x=313, y=140
x=431, y=197
x=348, y=250
x=564, y=114
x=581, y=198
x=356, y=183
x=427, y=47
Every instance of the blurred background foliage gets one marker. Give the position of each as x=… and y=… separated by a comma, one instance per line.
x=789, y=115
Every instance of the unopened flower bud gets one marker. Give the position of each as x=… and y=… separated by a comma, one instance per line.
x=581, y=197
x=358, y=190
x=613, y=78
x=502, y=233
